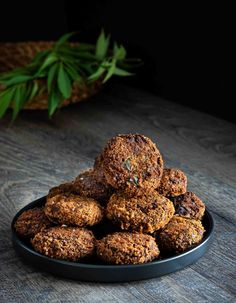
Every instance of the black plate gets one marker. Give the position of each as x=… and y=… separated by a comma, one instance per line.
x=96, y=271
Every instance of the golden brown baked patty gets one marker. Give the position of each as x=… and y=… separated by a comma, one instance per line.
x=92, y=184
x=73, y=210
x=180, y=234
x=173, y=183
x=67, y=243
x=31, y=221
x=127, y=248
x=189, y=205
x=64, y=188
x=132, y=163
x=145, y=213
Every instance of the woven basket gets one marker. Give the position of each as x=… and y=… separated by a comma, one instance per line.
x=14, y=55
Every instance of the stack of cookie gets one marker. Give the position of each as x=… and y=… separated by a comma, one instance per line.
x=147, y=205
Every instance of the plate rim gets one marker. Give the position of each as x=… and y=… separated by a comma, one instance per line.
x=16, y=239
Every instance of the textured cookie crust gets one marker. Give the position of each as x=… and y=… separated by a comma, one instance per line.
x=173, y=183
x=189, y=205
x=31, y=221
x=127, y=248
x=132, y=163
x=180, y=234
x=73, y=210
x=146, y=213
x=64, y=188
x=66, y=243
x=92, y=184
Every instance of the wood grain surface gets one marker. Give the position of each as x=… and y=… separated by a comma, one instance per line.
x=36, y=154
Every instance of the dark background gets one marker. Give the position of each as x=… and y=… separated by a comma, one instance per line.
x=187, y=49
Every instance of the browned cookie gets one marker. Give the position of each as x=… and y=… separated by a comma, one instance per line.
x=132, y=163
x=145, y=213
x=66, y=243
x=173, y=183
x=93, y=184
x=73, y=210
x=189, y=205
x=181, y=234
x=31, y=221
x=98, y=162
x=127, y=248
x=64, y=188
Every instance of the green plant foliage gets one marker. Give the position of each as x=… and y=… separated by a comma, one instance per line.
x=61, y=67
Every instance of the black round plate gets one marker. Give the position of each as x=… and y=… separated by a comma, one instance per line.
x=96, y=271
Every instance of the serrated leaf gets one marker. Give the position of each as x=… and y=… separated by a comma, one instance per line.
x=52, y=76
x=121, y=72
x=5, y=100
x=54, y=100
x=102, y=46
x=64, y=82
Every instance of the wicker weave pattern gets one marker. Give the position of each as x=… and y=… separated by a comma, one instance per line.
x=13, y=55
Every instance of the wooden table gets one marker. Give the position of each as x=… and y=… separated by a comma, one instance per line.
x=36, y=154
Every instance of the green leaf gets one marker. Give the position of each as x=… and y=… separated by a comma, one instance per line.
x=10, y=74
x=87, y=67
x=17, y=80
x=19, y=99
x=51, y=58
x=111, y=71
x=64, y=39
x=5, y=100
x=54, y=101
x=64, y=82
x=119, y=52
x=121, y=72
x=99, y=72
x=62, y=66
x=102, y=46
x=127, y=164
x=72, y=72
x=34, y=90
x=52, y=76
x=74, y=53
x=40, y=57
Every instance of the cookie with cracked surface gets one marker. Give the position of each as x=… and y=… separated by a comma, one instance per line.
x=173, y=183
x=64, y=188
x=92, y=184
x=127, y=248
x=31, y=221
x=132, y=163
x=146, y=213
x=73, y=210
x=65, y=243
x=180, y=234
x=189, y=205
